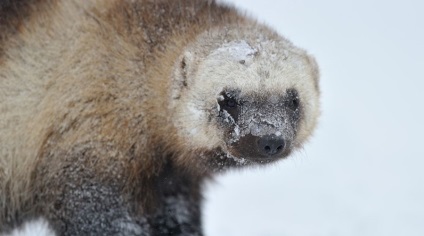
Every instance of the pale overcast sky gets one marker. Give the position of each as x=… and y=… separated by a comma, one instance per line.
x=363, y=171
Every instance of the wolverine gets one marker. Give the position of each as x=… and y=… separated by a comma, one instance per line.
x=113, y=114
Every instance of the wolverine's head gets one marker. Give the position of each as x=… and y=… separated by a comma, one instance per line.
x=246, y=92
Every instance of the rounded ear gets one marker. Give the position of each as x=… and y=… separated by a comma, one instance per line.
x=315, y=69
x=182, y=72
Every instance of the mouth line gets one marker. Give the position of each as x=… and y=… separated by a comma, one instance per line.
x=261, y=158
x=264, y=159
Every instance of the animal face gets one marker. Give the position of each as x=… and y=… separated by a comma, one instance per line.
x=255, y=100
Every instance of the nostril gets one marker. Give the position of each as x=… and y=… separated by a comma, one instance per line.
x=266, y=147
x=270, y=145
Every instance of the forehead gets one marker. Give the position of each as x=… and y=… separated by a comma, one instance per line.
x=257, y=66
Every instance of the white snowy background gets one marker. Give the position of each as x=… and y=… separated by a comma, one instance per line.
x=362, y=174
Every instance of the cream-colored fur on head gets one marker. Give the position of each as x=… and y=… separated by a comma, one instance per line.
x=39, y=227
x=254, y=61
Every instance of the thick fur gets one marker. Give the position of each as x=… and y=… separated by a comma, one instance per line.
x=107, y=109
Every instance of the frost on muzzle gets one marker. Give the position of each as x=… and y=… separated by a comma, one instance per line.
x=258, y=127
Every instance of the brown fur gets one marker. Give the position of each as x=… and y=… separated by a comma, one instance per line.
x=13, y=14
x=83, y=100
x=88, y=86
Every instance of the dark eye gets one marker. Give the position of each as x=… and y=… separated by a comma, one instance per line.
x=294, y=103
x=292, y=99
x=230, y=105
x=230, y=102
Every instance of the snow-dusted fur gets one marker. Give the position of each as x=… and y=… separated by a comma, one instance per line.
x=38, y=227
x=269, y=67
x=114, y=113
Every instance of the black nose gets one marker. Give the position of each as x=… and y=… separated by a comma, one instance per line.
x=270, y=145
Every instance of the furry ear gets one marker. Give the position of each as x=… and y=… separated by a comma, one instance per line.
x=315, y=69
x=186, y=68
x=182, y=72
